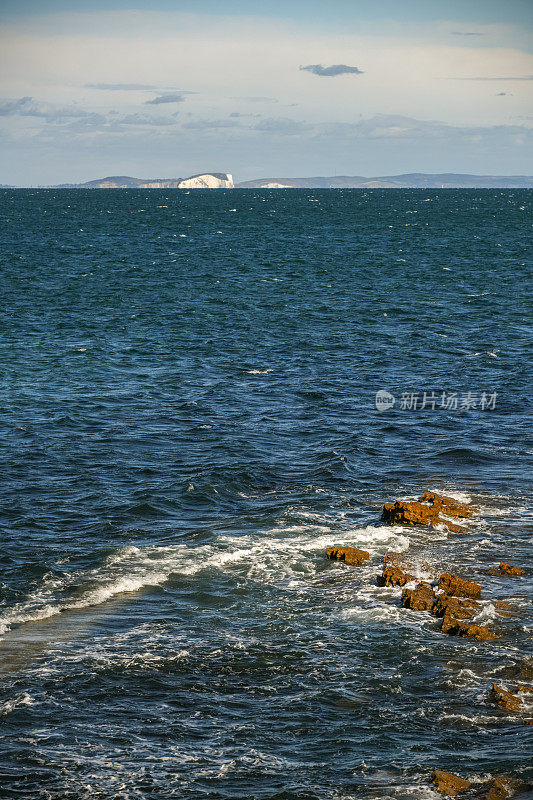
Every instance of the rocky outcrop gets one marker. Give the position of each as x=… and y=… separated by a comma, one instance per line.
x=505, y=609
x=413, y=512
x=453, y=786
x=454, y=607
x=350, y=555
x=453, y=585
x=506, y=569
x=394, y=576
x=448, y=505
x=449, y=784
x=420, y=599
x=504, y=699
x=208, y=180
x=468, y=630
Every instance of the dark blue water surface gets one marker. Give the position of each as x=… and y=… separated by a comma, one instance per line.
x=188, y=421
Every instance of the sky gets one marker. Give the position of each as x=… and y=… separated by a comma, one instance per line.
x=291, y=88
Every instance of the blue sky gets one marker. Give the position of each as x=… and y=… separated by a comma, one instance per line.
x=263, y=90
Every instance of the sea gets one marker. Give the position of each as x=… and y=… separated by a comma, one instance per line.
x=189, y=419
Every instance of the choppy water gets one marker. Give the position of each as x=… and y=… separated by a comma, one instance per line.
x=188, y=422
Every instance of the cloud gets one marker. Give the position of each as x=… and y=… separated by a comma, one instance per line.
x=503, y=94
x=332, y=71
x=165, y=98
x=209, y=124
x=467, y=33
x=515, y=78
x=282, y=126
x=121, y=87
x=29, y=107
x=144, y=119
x=257, y=99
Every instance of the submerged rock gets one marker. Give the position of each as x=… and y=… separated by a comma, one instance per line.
x=504, y=699
x=506, y=569
x=394, y=558
x=350, y=555
x=505, y=609
x=468, y=630
x=394, y=576
x=420, y=599
x=449, y=784
x=452, y=584
x=455, y=607
x=494, y=789
x=448, y=505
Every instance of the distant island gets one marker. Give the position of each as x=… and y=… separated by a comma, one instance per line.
x=224, y=180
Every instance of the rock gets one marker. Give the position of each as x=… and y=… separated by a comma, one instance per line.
x=350, y=555
x=452, y=584
x=419, y=599
x=455, y=607
x=505, y=609
x=394, y=558
x=411, y=512
x=406, y=512
x=449, y=506
x=448, y=783
x=504, y=699
x=508, y=569
x=494, y=789
x=466, y=629
x=394, y=576
x=525, y=689
x=505, y=569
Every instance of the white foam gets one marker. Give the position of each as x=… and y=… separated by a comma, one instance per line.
x=8, y=706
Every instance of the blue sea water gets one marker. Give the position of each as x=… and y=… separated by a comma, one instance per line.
x=188, y=421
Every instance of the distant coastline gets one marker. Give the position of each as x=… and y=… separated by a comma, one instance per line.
x=224, y=180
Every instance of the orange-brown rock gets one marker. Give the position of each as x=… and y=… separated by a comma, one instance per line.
x=504, y=699
x=394, y=576
x=455, y=607
x=419, y=599
x=495, y=789
x=350, y=555
x=505, y=609
x=394, y=558
x=508, y=569
x=468, y=630
x=452, y=584
x=448, y=505
x=409, y=512
x=525, y=689
x=448, y=783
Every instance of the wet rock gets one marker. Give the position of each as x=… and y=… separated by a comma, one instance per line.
x=448, y=505
x=449, y=784
x=407, y=512
x=394, y=558
x=350, y=555
x=419, y=599
x=525, y=689
x=508, y=569
x=452, y=584
x=394, y=576
x=494, y=789
x=505, y=569
x=505, y=609
x=411, y=512
x=455, y=607
x=468, y=630
x=504, y=699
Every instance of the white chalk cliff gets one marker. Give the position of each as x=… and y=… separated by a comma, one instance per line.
x=209, y=180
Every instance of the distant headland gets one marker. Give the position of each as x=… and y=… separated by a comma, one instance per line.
x=224, y=180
